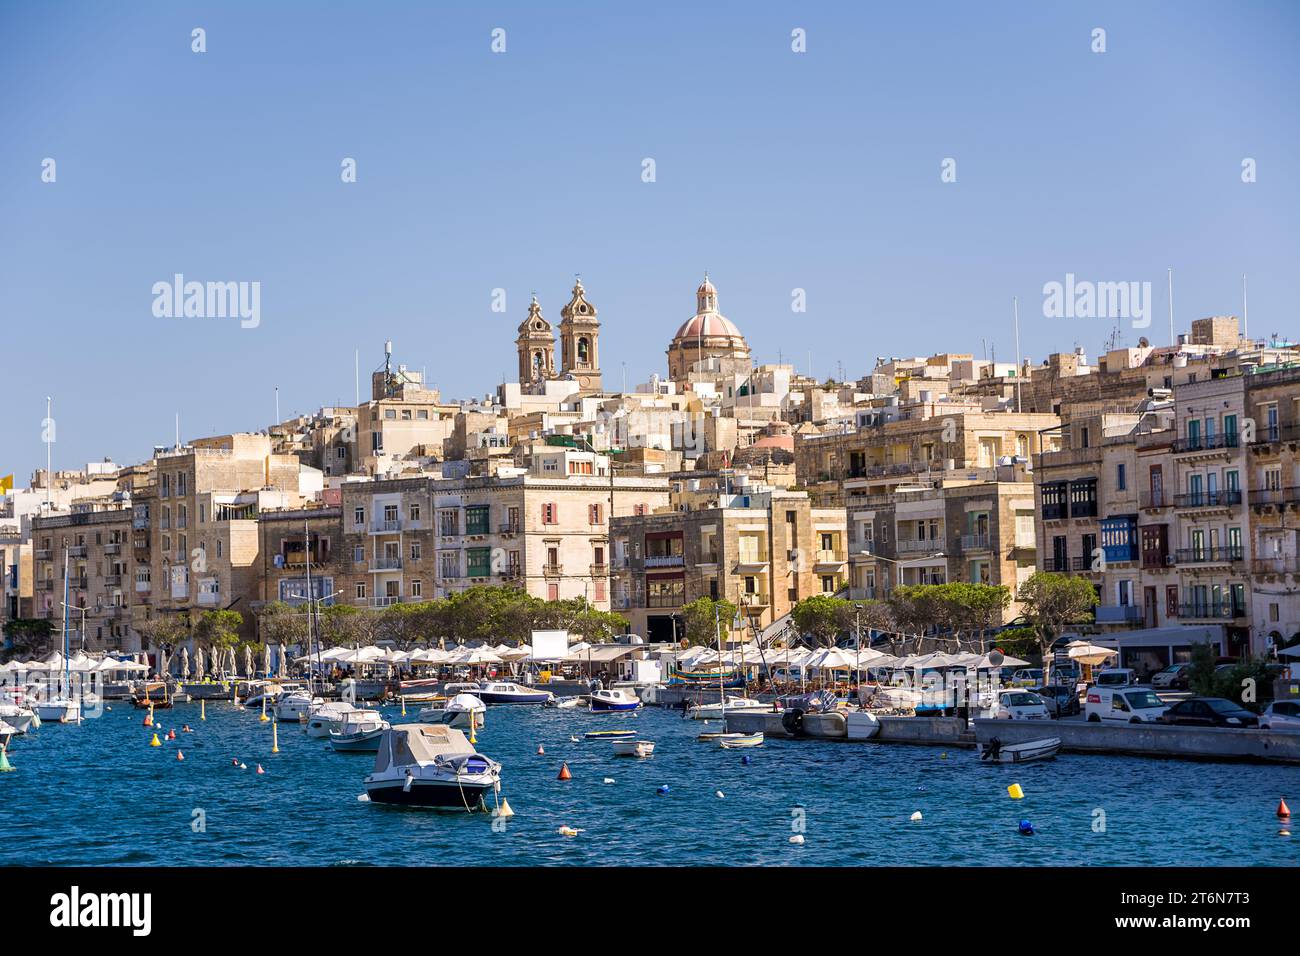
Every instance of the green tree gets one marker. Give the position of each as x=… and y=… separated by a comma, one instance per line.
x=699, y=616
x=1248, y=682
x=281, y=623
x=823, y=617
x=218, y=628
x=28, y=636
x=162, y=629
x=1051, y=602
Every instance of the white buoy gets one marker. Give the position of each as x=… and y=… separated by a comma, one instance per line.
x=568, y=831
x=609, y=779
x=503, y=810
x=916, y=816
x=797, y=839
x=719, y=794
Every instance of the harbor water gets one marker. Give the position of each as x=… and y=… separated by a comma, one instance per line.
x=98, y=794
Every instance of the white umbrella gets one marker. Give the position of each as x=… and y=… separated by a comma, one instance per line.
x=200, y=671
x=185, y=663
x=232, y=668
x=832, y=659
x=282, y=663
x=266, y=659
x=248, y=661
x=480, y=655
x=1293, y=651
x=1091, y=654
x=162, y=663
x=1007, y=661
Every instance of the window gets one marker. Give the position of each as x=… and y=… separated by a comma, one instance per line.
x=417, y=588
x=361, y=591
x=390, y=414
x=593, y=514
x=548, y=513
x=552, y=592
x=358, y=516
x=478, y=562
x=448, y=523
x=828, y=584
x=415, y=551
x=640, y=510
x=1054, y=493
x=476, y=519
x=449, y=564
x=600, y=590
x=358, y=553
x=415, y=511
x=1121, y=477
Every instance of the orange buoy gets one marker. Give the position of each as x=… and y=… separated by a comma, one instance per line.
x=171, y=735
x=564, y=772
x=1283, y=810
x=180, y=755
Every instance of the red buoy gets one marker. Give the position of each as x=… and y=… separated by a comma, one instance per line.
x=564, y=772
x=1283, y=811
x=180, y=755
x=234, y=761
x=259, y=769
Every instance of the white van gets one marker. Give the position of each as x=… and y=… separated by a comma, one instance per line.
x=1123, y=705
x=1115, y=677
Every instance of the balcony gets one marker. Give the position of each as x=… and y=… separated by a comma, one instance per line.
x=664, y=561
x=1119, y=614
x=754, y=600
x=385, y=601
x=143, y=587
x=1279, y=497
x=828, y=561
x=665, y=600
x=113, y=547
x=1278, y=564
x=1083, y=562
x=918, y=545
x=386, y=526
x=553, y=570
x=139, y=524
x=44, y=554
x=510, y=528
x=1055, y=512
x=1269, y=434
x=975, y=542
x=1208, y=499
x=1151, y=560
x=1155, y=500
x=1207, y=443
x=79, y=584
x=1211, y=611
x=45, y=585
x=386, y=564
x=112, y=580
x=1225, y=555
x=599, y=570
x=77, y=551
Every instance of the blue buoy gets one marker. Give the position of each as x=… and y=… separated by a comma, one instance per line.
x=663, y=789
x=746, y=760
x=1026, y=828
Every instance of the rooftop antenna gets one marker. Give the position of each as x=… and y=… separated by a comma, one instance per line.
x=49, y=438
x=1172, y=339
x=356, y=372
x=1245, y=313
x=277, y=404
x=1015, y=311
x=178, y=431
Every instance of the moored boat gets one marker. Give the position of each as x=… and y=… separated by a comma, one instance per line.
x=730, y=705
x=58, y=710
x=323, y=717
x=613, y=700
x=564, y=703
x=997, y=752
x=462, y=711
x=358, y=731
x=296, y=706
x=740, y=741
x=505, y=692
x=431, y=765
x=634, y=748
x=610, y=735
x=21, y=719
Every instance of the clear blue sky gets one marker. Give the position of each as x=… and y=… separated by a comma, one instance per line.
x=478, y=171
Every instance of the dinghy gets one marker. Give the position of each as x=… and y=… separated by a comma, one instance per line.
x=740, y=741
x=610, y=735
x=634, y=748
x=996, y=752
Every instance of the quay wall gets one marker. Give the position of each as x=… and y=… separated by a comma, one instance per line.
x=1143, y=740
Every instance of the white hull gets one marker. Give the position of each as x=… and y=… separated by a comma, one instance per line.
x=736, y=706
x=1043, y=749
x=20, y=720
x=861, y=725
x=59, y=711
x=634, y=748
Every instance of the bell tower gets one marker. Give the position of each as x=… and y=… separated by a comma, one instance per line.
x=579, y=340
x=536, y=345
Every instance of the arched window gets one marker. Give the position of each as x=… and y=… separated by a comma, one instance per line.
x=584, y=351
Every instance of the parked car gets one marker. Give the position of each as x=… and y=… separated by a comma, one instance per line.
x=1062, y=700
x=1124, y=705
x=1209, y=712
x=1027, y=677
x=1173, y=677
x=1021, y=705
x=1281, y=715
x=1115, y=677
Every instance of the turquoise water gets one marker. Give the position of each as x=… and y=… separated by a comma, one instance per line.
x=98, y=794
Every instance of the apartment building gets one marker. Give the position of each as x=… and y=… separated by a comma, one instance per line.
x=764, y=549
x=94, y=537
x=927, y=440
x=300, y=555
x=978, y=529
x=195, y=533
x=544, y=529
x=404, y=418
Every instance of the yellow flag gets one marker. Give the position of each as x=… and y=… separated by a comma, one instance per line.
x=6, y=484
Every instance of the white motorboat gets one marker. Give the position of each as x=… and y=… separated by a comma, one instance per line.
x=21, y=719
x=997, y=752
x=609, y=701
x=861, y=725
x=297, y=705
x=729, y=705
x=6, y=734
x=634, y=748
x=263, y=690
x=59, y=710
x=324, y=716
x=360, y=730
x=739, y=741
x=431, y=765
x=504, y=692
x=564, y=703
x=462, y=711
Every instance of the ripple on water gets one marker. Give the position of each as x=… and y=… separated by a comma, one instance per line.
x=99, y=795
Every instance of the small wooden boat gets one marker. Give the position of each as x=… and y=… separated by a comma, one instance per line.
x=634, y=748
x=610, y=735
x=996, y=752
x=154, y=694
x=739, y=741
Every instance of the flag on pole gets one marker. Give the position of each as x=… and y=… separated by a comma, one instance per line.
x=6, y=484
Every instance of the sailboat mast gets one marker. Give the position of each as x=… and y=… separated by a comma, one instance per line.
x=311, y=604
x=66, y=676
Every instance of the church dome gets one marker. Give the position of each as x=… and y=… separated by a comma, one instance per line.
x=708, y=323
